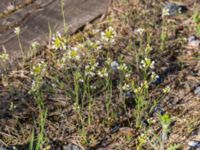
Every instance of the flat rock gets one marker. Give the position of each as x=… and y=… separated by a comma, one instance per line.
x=34, y=16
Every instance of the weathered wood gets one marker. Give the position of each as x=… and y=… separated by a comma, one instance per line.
x=33, y=17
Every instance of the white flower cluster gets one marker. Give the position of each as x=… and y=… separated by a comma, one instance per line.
x=126, y=87
x=123, y=67
x=139, y=31
x=93, y=45
x=166, y=90
x=73, y=53
x=109, y=35
x=144, y=85
x=58, y=42
x=154, y=76
x=61, y=62
x=39, y=69
x=34, y=45
x=165, y=12
x=17, y=30
x=38, y=72
x=103, y=72
x=147, y=63
x=4, y=56
x=90, y=69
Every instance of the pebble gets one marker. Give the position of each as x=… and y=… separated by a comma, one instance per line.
x=115, y=129
x=173, y=9
x=158, y=81
x=158, y=110
x=114, y=65
x=194, y=144
x=71, y=147
x=193, y=41
x=197, y=91
x=10, y=7
x=3, y=148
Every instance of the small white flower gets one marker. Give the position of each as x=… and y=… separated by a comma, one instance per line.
x=81, y=80
x=76, y=107
x=147, y=63
x=17, y=30
x=138, y=90
x=103, y=73
x=126, y=87
x=4, y=56
x=152, y=66
x=34, y=45
x=144, y=85
x=90, y=69
x=139, y=31
x=127, y=75
x=165, y=12
x=123, y=67
x=166, y=90
x=93, y=87
x=154, y=76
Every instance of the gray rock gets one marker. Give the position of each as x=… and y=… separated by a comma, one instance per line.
x=173, y=9
x=114, y=65
x=194, y=144
x=193, y=41
x=197, y=91
x=71, y=147
x=3, y=148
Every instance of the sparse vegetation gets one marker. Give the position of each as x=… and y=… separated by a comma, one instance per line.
x=113, y=85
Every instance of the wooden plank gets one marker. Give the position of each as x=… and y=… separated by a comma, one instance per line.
x=33, y=19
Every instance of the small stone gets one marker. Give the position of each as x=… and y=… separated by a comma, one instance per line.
x=115, y=129
x=194, y=144
x=145, y=123
x=158, y=110
x=114, y=65
x=193, y=42
x=197, y=91
x=129, y=95
x=171, y=9
x=71, y=147
x=158, y=81
x=3, y=148
x=10, y=7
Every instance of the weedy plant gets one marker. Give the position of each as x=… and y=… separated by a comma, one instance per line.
x=142, y=91
x=38, y=72
x=17, y=32
x=155, y=140
x=165, y=121
x=62, y=3
x=196, y=19
x=84, y=70
x=4, y=58
x=164, y=29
